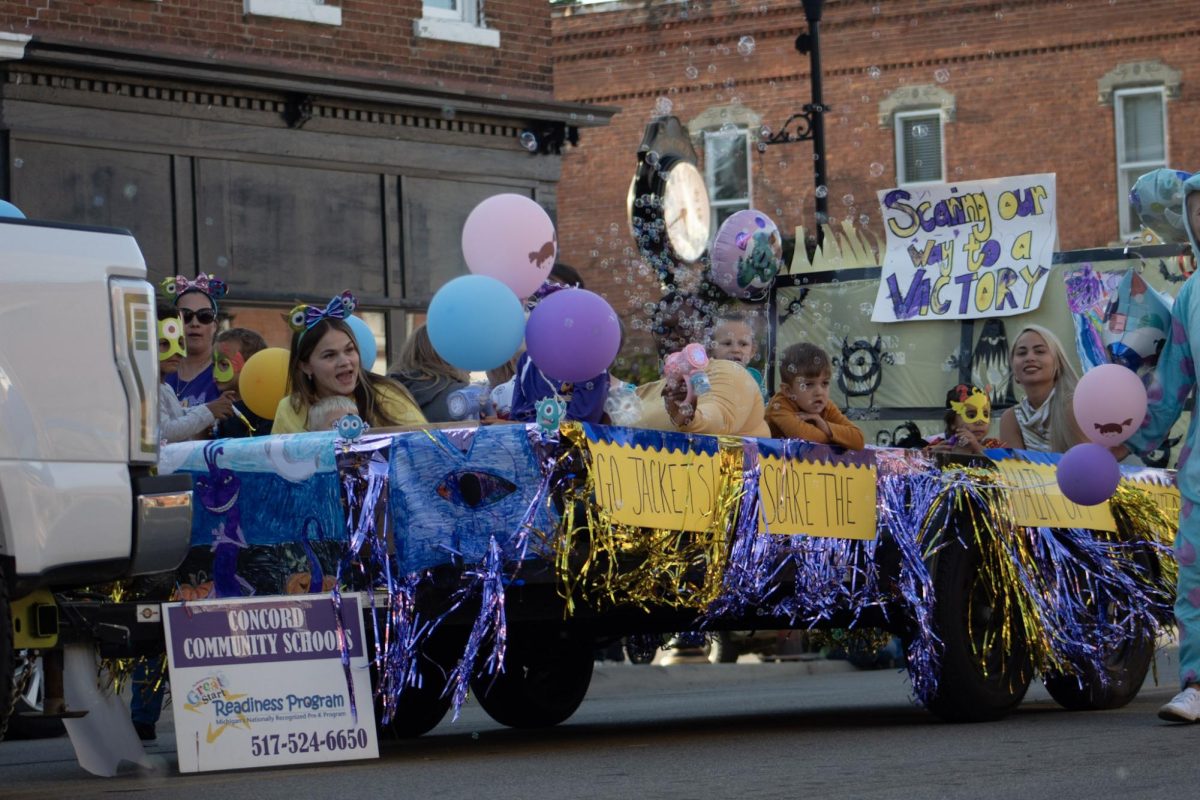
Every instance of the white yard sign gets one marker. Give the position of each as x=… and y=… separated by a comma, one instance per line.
x=259, y=682
x=966, y=250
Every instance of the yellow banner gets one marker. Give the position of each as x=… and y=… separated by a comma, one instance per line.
x=817, y=499
x=656, y=489
x=1038, y=502
x=1166, y=497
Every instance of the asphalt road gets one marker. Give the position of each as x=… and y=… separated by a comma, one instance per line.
x=791, y=730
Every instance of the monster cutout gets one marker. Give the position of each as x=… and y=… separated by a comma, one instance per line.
x=860, y=368
x=990, y=364
x=218, y=492
x=450, y=491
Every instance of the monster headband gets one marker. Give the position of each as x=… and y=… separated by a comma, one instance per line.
x=175, y=288
x=170, y=338
x=972, y=404
x=303, y=317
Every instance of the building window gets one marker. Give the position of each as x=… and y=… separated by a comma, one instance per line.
x=455, y=21
x=919, y=153
x=315, y=11
x=727, y=172
x=1141, y=125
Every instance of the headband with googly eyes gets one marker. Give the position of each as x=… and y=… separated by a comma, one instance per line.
x=213, y=288
x=304, y=317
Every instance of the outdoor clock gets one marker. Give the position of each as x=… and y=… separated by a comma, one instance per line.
x=669, y=210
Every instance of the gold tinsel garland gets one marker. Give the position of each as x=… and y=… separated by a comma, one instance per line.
x=605, y=563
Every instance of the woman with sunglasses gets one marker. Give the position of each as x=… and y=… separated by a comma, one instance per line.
x=326, y=379
x=196, y=301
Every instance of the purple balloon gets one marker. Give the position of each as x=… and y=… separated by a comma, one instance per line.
x=572, y=335
x=1088, y=474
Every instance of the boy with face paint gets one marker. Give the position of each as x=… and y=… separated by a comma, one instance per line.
x=233, y=349
x=176, y=423
x=968, y=419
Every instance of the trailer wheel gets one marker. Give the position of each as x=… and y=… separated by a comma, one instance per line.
x=545, y=679
x=979, y=682
x=1113, y=685
x=419, y=709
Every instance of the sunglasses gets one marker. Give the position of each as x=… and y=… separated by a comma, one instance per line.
x=205, y=316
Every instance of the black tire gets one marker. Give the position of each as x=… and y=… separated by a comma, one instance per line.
x=545, y=679
x=1121, y=675
x=641, y=649
x=6, y=651
x=419, y=709
x=975, y=684
x=721, y=648
x=25, y=722
x=1114, y=685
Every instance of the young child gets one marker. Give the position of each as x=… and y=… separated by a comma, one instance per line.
x=734, y=339
x=968, y=418
x=801, y=409
x=233, y=349
x=176, y=423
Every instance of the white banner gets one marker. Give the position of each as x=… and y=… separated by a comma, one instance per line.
x=966, y=250
x=259, y=682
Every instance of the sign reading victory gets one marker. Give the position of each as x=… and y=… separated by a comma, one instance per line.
x=966, y=250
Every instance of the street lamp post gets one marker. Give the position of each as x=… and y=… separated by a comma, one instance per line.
x=810, y=120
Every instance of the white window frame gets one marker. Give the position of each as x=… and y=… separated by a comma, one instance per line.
x=1125, y=222
x=315, y=11
x=710, y=174
x=898, y=137
x=464, y=25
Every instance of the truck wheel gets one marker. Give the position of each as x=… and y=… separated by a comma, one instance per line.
x=979, y=682
x=30, y=701
x=6, y=651
x=545, y=679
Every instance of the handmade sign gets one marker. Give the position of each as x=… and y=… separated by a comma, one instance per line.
x=260, y=682
x=966, y=250
x=811, y=490
x=653, y=486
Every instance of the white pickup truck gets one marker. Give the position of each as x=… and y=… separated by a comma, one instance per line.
x=79, y=501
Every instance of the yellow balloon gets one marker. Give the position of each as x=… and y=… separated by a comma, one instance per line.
x=263, y=381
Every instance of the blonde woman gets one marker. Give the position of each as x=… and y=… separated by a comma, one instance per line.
x=429, y=377
x=1044, y=420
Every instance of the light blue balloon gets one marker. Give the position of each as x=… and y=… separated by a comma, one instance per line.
x=365, y=341
x=7, y=209
x=475, y=322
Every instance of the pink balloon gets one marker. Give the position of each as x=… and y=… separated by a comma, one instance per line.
x=509, y=237
x=1110, y=404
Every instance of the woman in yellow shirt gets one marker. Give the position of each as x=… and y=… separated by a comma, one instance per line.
x=324, y=366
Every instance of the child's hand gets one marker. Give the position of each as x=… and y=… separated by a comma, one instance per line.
x=675, y=397
x=965, y=442
x=222, y=407
x=818, y=421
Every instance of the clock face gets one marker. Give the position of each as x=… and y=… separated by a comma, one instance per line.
x=686, y=212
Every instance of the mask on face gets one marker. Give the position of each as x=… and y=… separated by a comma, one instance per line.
x=973, y=405
x=170, y=338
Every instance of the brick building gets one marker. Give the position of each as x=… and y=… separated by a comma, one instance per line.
x=295, y=148
x=1097, y=91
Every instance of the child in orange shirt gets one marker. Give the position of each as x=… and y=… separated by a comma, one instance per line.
x=801, y=409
